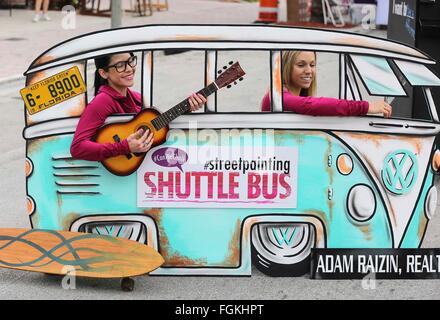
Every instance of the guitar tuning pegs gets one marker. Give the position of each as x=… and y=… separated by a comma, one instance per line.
x=235, y=82
x=219, y=71
x=225, y=67
x=241, y=79
x=228, y=86
x=231, y=62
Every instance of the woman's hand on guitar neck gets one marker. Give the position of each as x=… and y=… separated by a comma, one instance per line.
x=196, y=101
x=140, y=141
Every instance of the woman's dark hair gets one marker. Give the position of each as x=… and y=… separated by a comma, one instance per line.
x=102, y=63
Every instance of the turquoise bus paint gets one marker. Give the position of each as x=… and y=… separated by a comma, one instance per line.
x=368, y=199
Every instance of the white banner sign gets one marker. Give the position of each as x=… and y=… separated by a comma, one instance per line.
x=179, y=176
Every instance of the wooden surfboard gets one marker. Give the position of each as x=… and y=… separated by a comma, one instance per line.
x=86, y=254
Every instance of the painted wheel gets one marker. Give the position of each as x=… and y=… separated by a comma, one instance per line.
x=127, y=284
x=282, y=250
x=135, y=231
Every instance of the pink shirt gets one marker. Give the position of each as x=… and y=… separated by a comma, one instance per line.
x=318, y=106
x=107, y=102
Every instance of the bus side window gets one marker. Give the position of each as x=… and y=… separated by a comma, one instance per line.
x=327, y=66
x=90, y=79
x=246, y=95
x=176, y=77
x=402, y=105
x=378, y=78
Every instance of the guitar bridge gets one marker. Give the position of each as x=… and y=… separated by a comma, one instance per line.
x=117, y=139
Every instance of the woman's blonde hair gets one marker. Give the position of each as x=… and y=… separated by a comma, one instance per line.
x=288, y=60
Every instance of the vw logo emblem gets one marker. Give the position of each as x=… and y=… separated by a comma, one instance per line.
x=400, y=171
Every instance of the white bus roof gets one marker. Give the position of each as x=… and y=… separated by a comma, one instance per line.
x=221, y=37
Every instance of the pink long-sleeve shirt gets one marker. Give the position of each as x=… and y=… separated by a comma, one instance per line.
x=318, y=106
x=107, y=102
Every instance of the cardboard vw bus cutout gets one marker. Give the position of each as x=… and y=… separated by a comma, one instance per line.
x=233, y=187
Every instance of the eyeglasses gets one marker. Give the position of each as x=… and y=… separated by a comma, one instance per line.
x=121, y=66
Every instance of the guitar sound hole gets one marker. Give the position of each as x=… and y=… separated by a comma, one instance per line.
x=144, y=128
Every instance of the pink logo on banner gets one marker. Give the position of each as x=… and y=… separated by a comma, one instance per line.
x=170, y=157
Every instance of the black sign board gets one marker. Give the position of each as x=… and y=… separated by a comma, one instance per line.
x=402, y=24
x=402, y=21
x=375, y=263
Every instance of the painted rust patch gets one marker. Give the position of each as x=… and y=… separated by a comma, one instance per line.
x=189, y=38
x=355, y=41
x=344, y=164
x=277, y=75
x=152, y=213
x=323, y=218
x=30, y=206
x=436, y=161
x=331, y=174
x=329, y=169
x=171, y=257
x=34, y=146
x=66, y=223
x=35, y=219
x=423, y=223
x=28, y=167
x=79, y=108
x=298, y=136
x=209, y=64
x=366, y=230
x=36, y=77
x=42, y=60
x=59, y=201
x=330, y=205
x=148, y=60
x=392, y=214
x=250, y=222
x=377, y=139
x=233, y=258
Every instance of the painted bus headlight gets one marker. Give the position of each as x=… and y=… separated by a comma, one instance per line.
x=28, y=167
x=431, y=202
x=30, y=205
x=361, y=202
x=436, y=161
x=344, y=163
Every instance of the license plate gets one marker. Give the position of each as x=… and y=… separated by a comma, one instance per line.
x=53, y=90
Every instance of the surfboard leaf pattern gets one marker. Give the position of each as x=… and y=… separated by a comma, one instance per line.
x=88, y=254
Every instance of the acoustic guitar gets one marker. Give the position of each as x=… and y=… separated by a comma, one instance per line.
x=157, y=123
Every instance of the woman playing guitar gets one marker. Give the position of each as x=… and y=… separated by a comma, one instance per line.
x=114, y=76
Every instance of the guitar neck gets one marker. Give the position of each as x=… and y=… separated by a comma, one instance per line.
x=165, y=118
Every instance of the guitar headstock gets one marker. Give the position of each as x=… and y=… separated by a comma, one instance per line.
x=229, y=75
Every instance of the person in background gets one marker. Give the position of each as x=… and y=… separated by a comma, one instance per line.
x=38, y=15
x=114, y=76
x=299, y=89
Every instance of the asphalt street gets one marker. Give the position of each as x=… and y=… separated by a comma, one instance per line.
x=26, y=285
